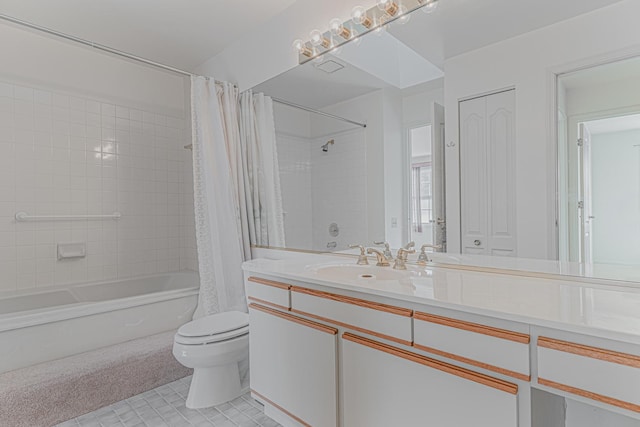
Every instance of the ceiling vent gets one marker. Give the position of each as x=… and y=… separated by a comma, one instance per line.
x=330, y=66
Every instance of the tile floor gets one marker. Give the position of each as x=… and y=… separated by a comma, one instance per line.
x=165, y=407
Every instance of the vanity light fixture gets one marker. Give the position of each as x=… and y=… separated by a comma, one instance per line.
x=302, y=48
x=318, y=39
x=338, y=29
x=359, y=16
x=389, y=6
x=374, y=19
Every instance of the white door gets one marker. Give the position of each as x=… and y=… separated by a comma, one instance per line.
x=437, y=139
x=585, y=205
x=487, y=174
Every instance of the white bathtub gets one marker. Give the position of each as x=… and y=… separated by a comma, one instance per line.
x=59, y=322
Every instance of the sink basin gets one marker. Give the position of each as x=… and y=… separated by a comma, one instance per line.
x=360, y=272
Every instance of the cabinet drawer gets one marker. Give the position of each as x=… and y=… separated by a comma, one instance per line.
x=268, y=292
x=387, y=386
x=595, y=373
x=498, y=350
x=380, y=320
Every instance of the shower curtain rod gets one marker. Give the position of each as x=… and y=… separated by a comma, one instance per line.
x=322, y=113
x=98, y=46
x=130, y=56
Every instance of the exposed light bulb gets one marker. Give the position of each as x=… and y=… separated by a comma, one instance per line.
x=302, y=48
x=318, y=39
x=338, y=29
x=389, y=6
x=359, y=16
x=429, y=5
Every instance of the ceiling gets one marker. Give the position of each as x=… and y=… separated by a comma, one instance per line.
x=182, y=34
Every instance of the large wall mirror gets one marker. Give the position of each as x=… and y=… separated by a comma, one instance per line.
x=471, y=140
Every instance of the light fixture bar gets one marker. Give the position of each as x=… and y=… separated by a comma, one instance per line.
x=363, y=22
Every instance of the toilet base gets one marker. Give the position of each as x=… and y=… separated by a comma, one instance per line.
x=214, y=386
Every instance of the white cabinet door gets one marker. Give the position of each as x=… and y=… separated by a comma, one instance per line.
x=385, y=386
x=294, y=366
x=487, y=172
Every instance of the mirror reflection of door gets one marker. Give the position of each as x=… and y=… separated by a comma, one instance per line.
x=609, y=185
x=427, y=186
x=599, y=164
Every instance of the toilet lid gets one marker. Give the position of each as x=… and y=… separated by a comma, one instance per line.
x=210, y=339
x=214, y=324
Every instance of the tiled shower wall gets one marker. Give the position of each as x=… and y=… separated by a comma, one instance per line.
x=339, y=190
x=68, y=154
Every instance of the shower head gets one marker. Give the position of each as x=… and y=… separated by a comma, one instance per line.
x=325, y=147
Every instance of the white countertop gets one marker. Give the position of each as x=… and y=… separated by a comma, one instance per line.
x=595, y=309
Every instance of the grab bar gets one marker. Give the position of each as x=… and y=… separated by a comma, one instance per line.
x=24, y=216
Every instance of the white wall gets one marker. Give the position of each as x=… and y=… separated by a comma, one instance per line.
x=527, y=62
x=294, y=157
x=86, y=133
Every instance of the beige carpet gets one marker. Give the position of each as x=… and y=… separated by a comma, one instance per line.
x=52, y=392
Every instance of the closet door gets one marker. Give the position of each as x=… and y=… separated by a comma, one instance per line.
x=487, y=145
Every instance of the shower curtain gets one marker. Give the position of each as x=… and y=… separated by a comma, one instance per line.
x=261, y=197
x=237, y=196
x=218, y=238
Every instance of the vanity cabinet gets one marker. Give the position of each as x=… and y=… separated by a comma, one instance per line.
x=387, y=386
x=495, y=349
x=324, y=358
x=599, y=374
x=381, y=320
x=294, y=366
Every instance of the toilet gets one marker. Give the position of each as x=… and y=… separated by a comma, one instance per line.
x=213, y=346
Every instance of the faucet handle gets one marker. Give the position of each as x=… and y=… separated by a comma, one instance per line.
x=402, y=253
x=387, y=250
x=409, y=245
x=362, y=258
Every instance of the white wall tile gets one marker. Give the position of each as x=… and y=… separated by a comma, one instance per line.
x=67, y=153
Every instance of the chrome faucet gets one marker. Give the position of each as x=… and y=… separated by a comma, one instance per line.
x=387, y=252
x=401, y=258
x=423, y=258
x=362, y=258
x=382, y=260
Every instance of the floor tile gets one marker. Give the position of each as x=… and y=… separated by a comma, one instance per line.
x=165, y=407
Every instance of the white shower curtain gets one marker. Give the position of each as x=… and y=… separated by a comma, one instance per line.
x=238, y=201
x=261, y=198
x=218, y=232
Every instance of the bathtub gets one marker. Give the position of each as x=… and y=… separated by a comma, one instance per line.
x=50, y=324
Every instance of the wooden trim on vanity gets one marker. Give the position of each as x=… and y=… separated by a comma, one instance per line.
x=320, y=327
x=355, y=328
x=280, y=408
x=590, y=395
x=592, y=352
x=435, y=364
x=405, y=312
x=268, y=303
x=474, y=327
x=269, y=282
x=473, y=362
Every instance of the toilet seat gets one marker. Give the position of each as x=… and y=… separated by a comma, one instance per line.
x=210, y=339
x=213, y=328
